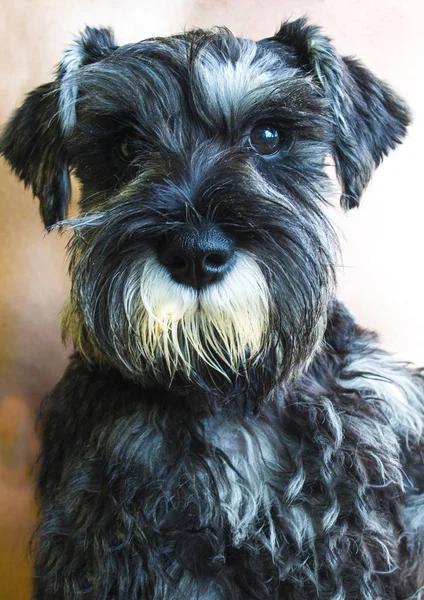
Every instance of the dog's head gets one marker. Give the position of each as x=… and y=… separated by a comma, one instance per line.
x=201, y=254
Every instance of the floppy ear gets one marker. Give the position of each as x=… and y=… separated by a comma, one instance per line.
x=369, y=118
x=34, y=141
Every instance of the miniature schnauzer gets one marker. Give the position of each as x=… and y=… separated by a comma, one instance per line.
x=224, y=430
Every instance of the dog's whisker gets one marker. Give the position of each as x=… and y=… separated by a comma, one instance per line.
x=224, y=430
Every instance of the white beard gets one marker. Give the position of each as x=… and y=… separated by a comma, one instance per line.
x=224, y=325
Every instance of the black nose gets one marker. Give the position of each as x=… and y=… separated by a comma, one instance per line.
x=197, y=257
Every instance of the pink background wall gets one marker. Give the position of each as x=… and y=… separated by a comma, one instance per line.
x=383, y=242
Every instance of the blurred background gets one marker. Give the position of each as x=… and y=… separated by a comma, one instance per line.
x=382, y=280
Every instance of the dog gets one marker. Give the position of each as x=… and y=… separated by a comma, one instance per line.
x=224, y=429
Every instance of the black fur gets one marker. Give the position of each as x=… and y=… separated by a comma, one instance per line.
x=370, y=119
x=33, y=144
x=129, y=480
x=198, y=467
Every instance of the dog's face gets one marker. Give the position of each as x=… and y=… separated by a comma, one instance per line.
x=201, y=254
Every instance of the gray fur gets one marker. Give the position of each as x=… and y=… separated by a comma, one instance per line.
x=244, y=439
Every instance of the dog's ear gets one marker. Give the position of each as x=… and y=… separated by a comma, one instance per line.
x=369, y=118
x=34, y=141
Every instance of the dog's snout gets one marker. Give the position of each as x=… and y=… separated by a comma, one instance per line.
x=197, y=257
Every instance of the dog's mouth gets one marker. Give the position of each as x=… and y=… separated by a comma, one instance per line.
x=223, y=325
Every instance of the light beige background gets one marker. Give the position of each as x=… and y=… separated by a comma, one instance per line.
x=383, y=279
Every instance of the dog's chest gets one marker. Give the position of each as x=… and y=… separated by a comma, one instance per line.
x=250, y=480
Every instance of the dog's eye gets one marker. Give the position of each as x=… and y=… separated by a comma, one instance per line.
x=265, y=139
x=127, y=149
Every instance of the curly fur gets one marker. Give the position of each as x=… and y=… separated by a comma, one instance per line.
x=244, y=440
x=305, y=500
